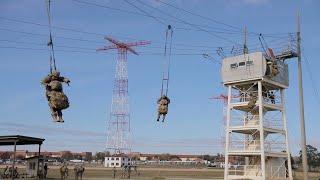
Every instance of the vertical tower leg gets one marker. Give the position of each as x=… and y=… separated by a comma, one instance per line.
x=226, y=160
x=263, y=162
x=284, y=117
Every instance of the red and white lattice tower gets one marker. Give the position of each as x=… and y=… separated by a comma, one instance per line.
x=118, y=135
x=224, y=119
x=223, y=123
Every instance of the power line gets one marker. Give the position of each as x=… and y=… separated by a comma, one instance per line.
x=218, y=22
x=23, y=42
x=77, y=47
x=100, y=42
x=188, y=23
x=146, y=13
x=103, y=35
x=94, y=52
x=202, y=47
x=135, y=13
x=313, y=82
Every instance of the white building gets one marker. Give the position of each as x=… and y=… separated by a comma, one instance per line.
x=35, y=166
x=117, y=160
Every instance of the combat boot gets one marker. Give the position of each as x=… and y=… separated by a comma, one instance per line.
x=54, y=118
x=60, y=117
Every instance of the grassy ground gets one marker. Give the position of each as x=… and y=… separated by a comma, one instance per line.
x=152, y=173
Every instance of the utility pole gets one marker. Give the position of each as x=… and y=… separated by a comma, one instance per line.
x=302, y=123
x=245, y=48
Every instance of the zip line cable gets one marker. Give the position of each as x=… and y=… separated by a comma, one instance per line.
x=135, y=13
x=94, y=52
x=167, y=59
x=221, y=23
x=100, y=42
x=99, y=34
x=188, y=23
x=202, y=47
x=52, y=58
x=76, y=47
x=145, y=12
x=314, y=85
x=218, y=22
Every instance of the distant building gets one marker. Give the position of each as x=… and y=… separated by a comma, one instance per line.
x=117, y=160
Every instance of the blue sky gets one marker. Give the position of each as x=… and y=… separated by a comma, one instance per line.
x=194, y=120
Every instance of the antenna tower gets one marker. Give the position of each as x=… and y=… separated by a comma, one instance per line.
x=119, y=122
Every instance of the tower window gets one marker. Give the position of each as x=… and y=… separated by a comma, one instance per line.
x=234, y=65
x=242, y=63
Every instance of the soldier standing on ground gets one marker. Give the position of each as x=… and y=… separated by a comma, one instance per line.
x=55, y=96
x=114, y=172
x=163, y=102
x=45, y=168
x=5, y=170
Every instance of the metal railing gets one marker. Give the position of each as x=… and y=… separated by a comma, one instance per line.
x=254, y=145
x=267, y=97
x=244, y=145
x=253, y=120
x=246, y=170
x=256, y=171
x=270, y=146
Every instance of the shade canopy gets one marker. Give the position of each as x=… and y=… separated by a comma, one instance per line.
x=19, y=140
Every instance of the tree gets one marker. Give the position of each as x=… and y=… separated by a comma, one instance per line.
x=149, y=158
x=88, y=157
x=205, y=157
x=20, y=157
x=67, y=156
x=313, y=157
x=135, y=158
x=5, y=156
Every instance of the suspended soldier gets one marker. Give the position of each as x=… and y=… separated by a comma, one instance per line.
x=55, y=96
x=114, y=172
x=163, y=102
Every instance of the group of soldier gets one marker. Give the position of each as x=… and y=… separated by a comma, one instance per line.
x=58, y=101
x=9, y=173
x=78, y=171
x=126, y=172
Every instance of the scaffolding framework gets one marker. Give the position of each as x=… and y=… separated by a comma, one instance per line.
x=256, y=127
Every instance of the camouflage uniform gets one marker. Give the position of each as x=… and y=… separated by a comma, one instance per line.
x=252, y=101
x=55, y=96
x=114, y=172
x=275, y=68
x=78, y=171
x=163, y=102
